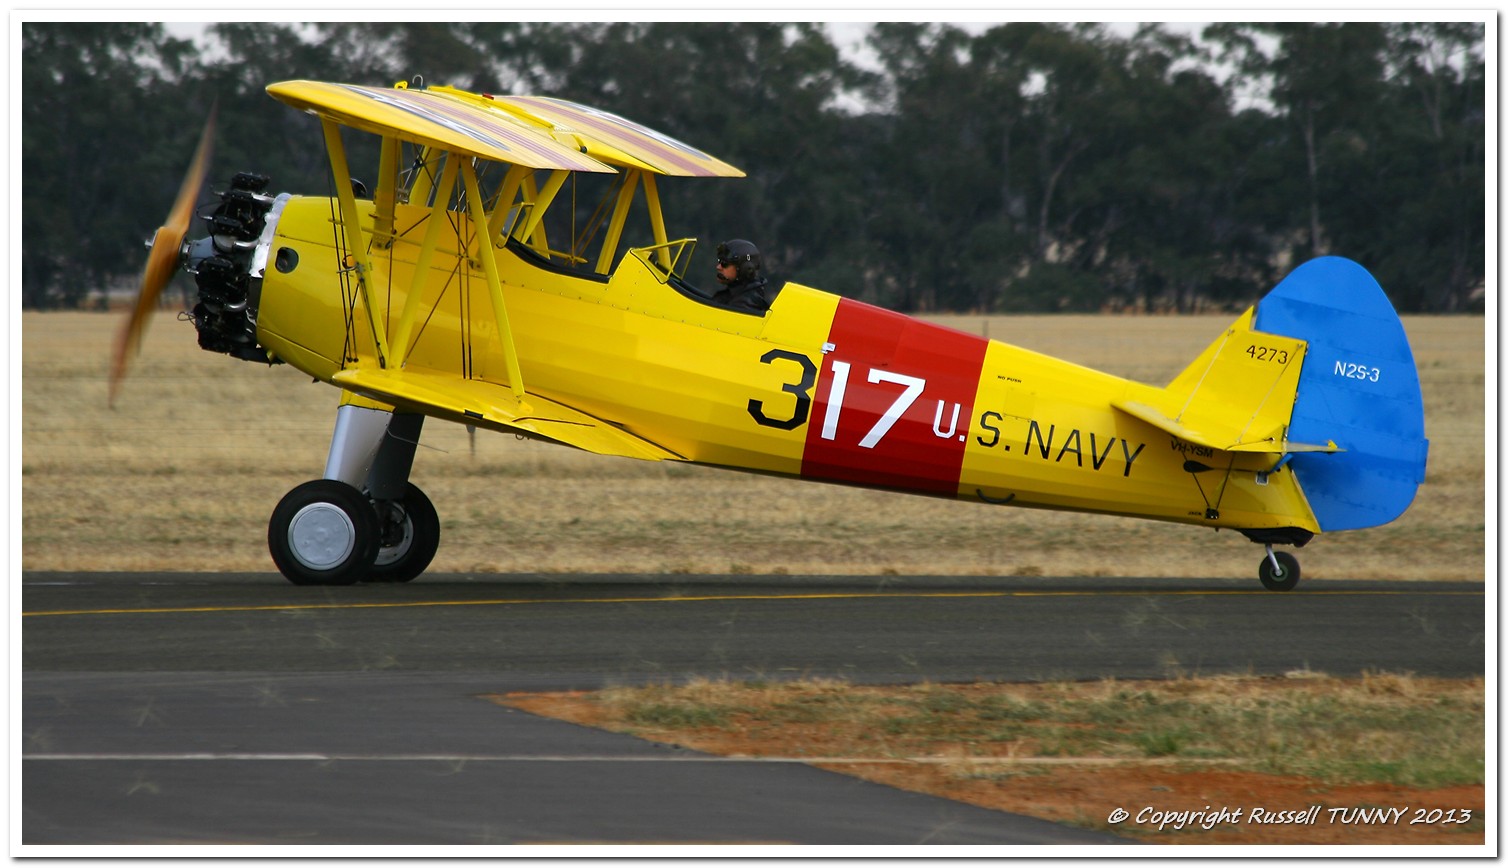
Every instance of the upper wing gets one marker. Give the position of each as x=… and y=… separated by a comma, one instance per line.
x=607, y=135
x=481, y=403
x=536, y=132
x=436, y=119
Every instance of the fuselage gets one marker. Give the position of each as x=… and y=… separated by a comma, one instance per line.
x=819, y=387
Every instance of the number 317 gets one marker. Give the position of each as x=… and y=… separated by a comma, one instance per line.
x=912, y=388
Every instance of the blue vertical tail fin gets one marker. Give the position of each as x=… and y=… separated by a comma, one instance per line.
x=1359, y=387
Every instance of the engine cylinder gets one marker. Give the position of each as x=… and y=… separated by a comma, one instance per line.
x=226, y=313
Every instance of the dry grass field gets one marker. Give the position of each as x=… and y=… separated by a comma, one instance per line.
x=184, y=472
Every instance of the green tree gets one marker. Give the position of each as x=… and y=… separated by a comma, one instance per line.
x=1384, y=123
x=757, y=95
x=1418, y=213
x=1160, y=218
x=1029, y=166
x=104, y=111
x=258, y=133
x=1040, y=166
x=939, y=187
x=1325, y=80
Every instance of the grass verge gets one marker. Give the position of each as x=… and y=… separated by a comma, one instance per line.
x=1075, y=751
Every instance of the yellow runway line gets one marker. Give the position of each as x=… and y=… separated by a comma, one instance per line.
x=720, y=598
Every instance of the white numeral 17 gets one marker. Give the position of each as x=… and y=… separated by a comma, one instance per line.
x=913, y=390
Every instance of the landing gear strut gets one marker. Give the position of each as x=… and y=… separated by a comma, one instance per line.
x=1279, y=571
x=364, y=521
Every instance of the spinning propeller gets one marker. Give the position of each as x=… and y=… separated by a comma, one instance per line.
x=167, y=247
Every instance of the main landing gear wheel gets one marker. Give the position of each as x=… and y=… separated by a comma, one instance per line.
x=410, y=536
x=1279, y=571
x=324, y=532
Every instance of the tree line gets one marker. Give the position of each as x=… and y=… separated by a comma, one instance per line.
x=1018, y=167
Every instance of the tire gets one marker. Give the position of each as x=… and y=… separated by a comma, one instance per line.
x=409, y=529
x=1283, y=578
x=323, y=532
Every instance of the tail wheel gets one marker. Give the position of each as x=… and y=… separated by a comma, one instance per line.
x=323, y=532
x=1281, y=576
x=410, y=536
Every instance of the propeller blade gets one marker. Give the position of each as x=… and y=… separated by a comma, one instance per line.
x=163, y=260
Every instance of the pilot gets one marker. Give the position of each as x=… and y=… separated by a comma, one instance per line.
x=738, y=270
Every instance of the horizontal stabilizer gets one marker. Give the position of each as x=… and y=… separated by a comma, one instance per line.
x=477, y=402
x=1224, y=440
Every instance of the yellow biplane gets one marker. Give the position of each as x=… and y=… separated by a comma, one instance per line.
x=463, y=286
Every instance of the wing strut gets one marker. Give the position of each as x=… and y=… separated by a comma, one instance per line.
x=619, y=218
x=387, y=193
x=507, y=192
x=542, y=202
x=438, y=222
x=494, y=282
x=657, y=221
x=351, y=223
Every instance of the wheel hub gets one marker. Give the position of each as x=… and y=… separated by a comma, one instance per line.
x=397, y=534
x=321, y=536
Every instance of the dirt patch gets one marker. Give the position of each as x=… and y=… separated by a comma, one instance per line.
x=1187, y=800
x=1157, y=801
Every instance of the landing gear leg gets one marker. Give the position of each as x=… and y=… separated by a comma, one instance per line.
x=1279, y=571
x=391, y=527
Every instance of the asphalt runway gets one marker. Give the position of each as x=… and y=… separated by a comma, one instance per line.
x=237, y=708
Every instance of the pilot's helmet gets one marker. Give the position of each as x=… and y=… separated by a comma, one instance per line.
x=743, y=254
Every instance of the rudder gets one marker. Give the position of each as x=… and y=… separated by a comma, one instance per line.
x=1358, y=387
